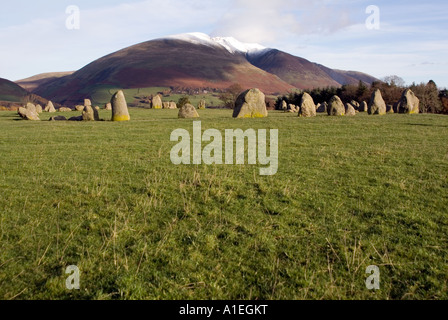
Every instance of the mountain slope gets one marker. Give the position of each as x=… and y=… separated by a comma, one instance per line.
x=298, y=72
x=33, y=82
x=194, y=61
x=168, y=62
x=347, y=77
x=11, y=92
x=302, y=73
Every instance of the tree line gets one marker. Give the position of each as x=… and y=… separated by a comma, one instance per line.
x=432, y=100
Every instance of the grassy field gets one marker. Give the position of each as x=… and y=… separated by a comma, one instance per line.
x=350, y=192
x=103, y=94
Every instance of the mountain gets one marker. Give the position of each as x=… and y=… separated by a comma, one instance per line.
x=302, y=73
x=12, y=95
x=42, y=79
x=11, y=92
x=298, y=72
x=193, y=61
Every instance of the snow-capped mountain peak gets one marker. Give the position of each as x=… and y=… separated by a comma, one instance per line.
x=229, y=43
x=233, y=45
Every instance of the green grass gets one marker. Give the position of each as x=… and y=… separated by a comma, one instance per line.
x=350, y=192
x=102, y=95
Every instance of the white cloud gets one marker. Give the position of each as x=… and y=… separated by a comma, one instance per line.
x=411, y=43
x=44, y=45
x=268, y=21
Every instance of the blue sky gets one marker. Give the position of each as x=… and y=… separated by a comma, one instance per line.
x=412, y=41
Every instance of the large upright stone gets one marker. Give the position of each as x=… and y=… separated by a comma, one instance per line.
x=409, y=103
x=120, y=110
x=363, y=107
x=166, y=105
x=50, y=107
x=284, y=106
x=87, y=103
x=202, y=104
x=39, y=109
x=29, y=112
x=90, y=114
x=108, y=107
x=307, y=106
x=350, y=110
x=293, y=108
x=188, y=111
x=250, y=104
x=336, y=107
x=173, y=105
x=355, y=104
x=31, y=107
x=157, y=102
x=377, y=104
x=322, y=107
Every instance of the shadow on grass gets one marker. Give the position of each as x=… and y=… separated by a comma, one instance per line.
x=427, y=125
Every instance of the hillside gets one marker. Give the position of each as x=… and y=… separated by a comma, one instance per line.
x=192, y=61
x=42, y=79
x=11, y=92
x=298, y=72
x=163, y=63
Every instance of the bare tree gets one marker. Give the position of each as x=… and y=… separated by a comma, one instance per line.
x=230, y=95
x=394, y=80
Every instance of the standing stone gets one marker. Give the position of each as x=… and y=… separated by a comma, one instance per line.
x=50, y=107
x=389, y=108
x=173, y=105
x=350, y=110
x=363, y=107
x=22, y=112
x=322, y=108
x=166, y=105
x=293, y=108
x=355, y=104
x=87, y=103
x=377, y=104
x=408, y=103
x=120, y=110
x=188, y=111
x=79, y=108
x=64, y=109
x=336, y=107
x=108, y=107
x=157, y=102
x=90, y=114
x=307, y=106
x=31, y=107
x=39, y=108
x=396, y=107
x=250, y=104
x=29, y=112
x=284, y=106
x=202, y=104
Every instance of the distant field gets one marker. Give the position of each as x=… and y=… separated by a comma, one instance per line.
x=350, y=192
x=103, y=95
